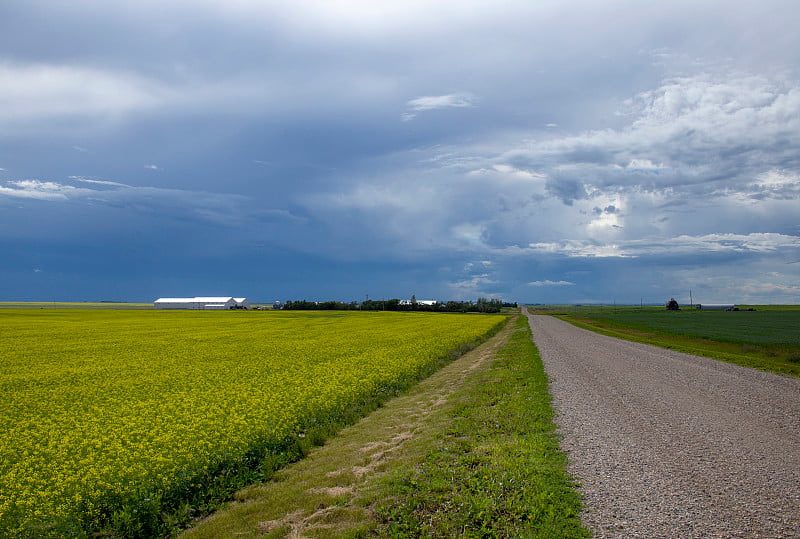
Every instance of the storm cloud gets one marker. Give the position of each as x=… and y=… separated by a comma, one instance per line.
x=531, y=151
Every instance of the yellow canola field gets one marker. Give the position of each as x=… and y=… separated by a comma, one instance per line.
x=98, y=404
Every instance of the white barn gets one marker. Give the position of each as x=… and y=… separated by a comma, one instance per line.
x=202, y=303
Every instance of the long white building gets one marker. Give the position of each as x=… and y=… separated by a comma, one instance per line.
x=202, y=303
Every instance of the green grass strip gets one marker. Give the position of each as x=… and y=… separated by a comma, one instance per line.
x=497, y=471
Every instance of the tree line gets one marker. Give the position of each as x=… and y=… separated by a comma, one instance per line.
x=483, y=305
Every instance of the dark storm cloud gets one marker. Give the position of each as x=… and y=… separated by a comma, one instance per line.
x=481, y=148
x=567, y=187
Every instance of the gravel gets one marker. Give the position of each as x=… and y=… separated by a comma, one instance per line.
x=666, y=444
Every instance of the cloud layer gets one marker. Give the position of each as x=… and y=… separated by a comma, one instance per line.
x=539, y=152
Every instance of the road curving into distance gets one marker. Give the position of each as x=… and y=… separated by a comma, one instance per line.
x=666, y=444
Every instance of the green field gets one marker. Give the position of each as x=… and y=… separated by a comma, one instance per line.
x=129, y=422
x=767, y=338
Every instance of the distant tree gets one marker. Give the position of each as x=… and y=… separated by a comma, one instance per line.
x=672, y=305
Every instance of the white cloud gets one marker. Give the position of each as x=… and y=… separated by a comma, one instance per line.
x=508, y=172
x=701, y=135
x=551, y=283
x=405, y=199
x=342, y=17
x=643, y=164
x=68, y=98
x=99, y=182
x=778, y=179
x=763, y=289
x=425, y=103
x=580, y=248
x=225, y=209
x=752, y=243
x=37, y=190
x=608, y=220
x=30, y=92
x=458, y=100
x=474, y=286
x=775, y=184
x=469, y=233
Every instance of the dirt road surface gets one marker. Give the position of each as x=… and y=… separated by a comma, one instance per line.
x=666, y=444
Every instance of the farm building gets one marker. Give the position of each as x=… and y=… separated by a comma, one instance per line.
x=202, y=303
x=715, y=306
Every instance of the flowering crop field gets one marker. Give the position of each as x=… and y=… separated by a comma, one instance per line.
x=107, y=417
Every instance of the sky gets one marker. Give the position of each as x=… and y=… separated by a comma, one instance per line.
x=532, y=151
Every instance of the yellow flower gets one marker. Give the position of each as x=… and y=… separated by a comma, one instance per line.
x=110, y=402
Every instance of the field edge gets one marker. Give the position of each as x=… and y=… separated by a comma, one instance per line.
x=381, y=477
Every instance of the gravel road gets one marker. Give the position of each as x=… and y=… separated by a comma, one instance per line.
x=666, y=444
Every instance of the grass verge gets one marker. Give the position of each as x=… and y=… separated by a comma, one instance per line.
x=469, y=451
x=497, y=470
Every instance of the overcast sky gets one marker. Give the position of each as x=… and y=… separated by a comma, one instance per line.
x=537, y=151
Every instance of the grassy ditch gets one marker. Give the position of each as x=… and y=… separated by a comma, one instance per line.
x=766, y=339
x=468, y=452
x=497, y=470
